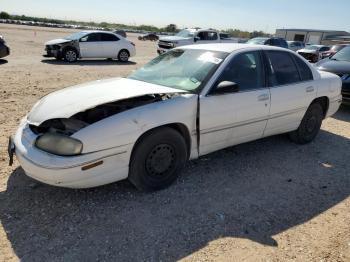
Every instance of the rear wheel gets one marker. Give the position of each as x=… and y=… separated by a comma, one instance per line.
x=157, y=159
x=123, y=55
x=309, y=126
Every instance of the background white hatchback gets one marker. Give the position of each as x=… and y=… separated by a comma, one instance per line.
x=90, y=44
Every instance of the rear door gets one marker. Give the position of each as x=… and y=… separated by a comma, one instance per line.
x=292, y=91
x=90, y=46
x=110, y=44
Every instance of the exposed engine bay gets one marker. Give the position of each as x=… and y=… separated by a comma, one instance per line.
x=68, y=126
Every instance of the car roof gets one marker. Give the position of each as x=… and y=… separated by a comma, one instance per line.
x=96, y=31
x=230, y=47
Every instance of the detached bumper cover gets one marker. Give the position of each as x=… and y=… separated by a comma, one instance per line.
x=68, y=171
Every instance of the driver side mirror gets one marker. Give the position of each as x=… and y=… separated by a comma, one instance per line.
x=226, y=87
x=83, y=39
x=196, y=38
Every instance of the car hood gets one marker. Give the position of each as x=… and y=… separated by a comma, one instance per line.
x=57, y=41
x=333, y=66
x=173, y=38
x=72, y=100
x=307, y=51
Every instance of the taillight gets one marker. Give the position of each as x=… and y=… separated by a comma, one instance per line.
x=132, y=43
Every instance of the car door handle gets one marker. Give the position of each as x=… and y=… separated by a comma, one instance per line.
x=309, y=89
x=263, y=97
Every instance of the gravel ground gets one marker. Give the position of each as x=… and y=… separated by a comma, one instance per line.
x=269, y=200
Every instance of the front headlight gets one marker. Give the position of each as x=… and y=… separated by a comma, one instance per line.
x=59, y=144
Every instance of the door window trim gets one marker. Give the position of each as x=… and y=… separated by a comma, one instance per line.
x=264, y=87
x=271, y=70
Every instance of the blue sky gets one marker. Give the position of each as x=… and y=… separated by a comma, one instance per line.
x=266, y=15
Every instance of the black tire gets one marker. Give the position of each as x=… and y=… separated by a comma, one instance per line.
x=157, y=159
x=123, y=55
x=309, y=126
x=70, y=55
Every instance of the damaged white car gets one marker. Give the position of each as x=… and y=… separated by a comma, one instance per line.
x=183, y=104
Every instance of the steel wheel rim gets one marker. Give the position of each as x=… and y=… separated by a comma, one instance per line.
x=160, y=160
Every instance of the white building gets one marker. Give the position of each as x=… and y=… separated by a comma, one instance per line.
x=310, y=36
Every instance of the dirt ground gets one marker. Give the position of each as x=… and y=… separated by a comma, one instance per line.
x=269, y=200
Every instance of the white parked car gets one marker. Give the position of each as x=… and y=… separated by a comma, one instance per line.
x=313, y=53
x=186, y=103
x=192, y=36
x=90, y=44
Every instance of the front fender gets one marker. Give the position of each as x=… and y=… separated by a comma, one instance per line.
x=126, y=127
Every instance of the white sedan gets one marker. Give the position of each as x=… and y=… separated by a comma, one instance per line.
x=90, y=44
x=186, y=103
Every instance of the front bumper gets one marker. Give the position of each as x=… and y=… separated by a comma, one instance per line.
x=161, y=50
x=70, y=171
x=52, y=52
x=311, y=57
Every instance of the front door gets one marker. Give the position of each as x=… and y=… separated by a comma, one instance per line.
x=239, y=116
x=90, y=46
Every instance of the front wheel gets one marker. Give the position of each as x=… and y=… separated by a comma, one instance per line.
x=123, y=56
x=309, y=126
x=157, y=159
x=70, y=55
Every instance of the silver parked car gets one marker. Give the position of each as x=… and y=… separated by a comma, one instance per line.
x=295, y=45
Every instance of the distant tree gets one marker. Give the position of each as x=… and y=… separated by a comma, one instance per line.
x=4, y=15
x=171, y=28
x=104, y=24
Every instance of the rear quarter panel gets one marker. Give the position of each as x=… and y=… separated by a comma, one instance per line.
x=329, y=85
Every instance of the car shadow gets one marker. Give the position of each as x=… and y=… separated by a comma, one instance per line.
x=87, y=62
x=3, y=61
x=252, y=191
x=343, y=113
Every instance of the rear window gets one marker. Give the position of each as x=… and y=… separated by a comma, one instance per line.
x=108, y=37
x=305, y=71
x=285, y=71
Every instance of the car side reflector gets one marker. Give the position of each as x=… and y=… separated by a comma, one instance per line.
x=84, y=168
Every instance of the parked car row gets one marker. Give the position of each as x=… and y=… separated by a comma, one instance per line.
x=339, y=64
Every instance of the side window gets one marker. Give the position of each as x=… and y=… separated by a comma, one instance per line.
x=304, y=70
x=246, y=70
x=212, y=36
x=275, y=42
x=94, y=37
x=284, y=69
x=323, y=49
x=108, y=37
x=202, y=35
